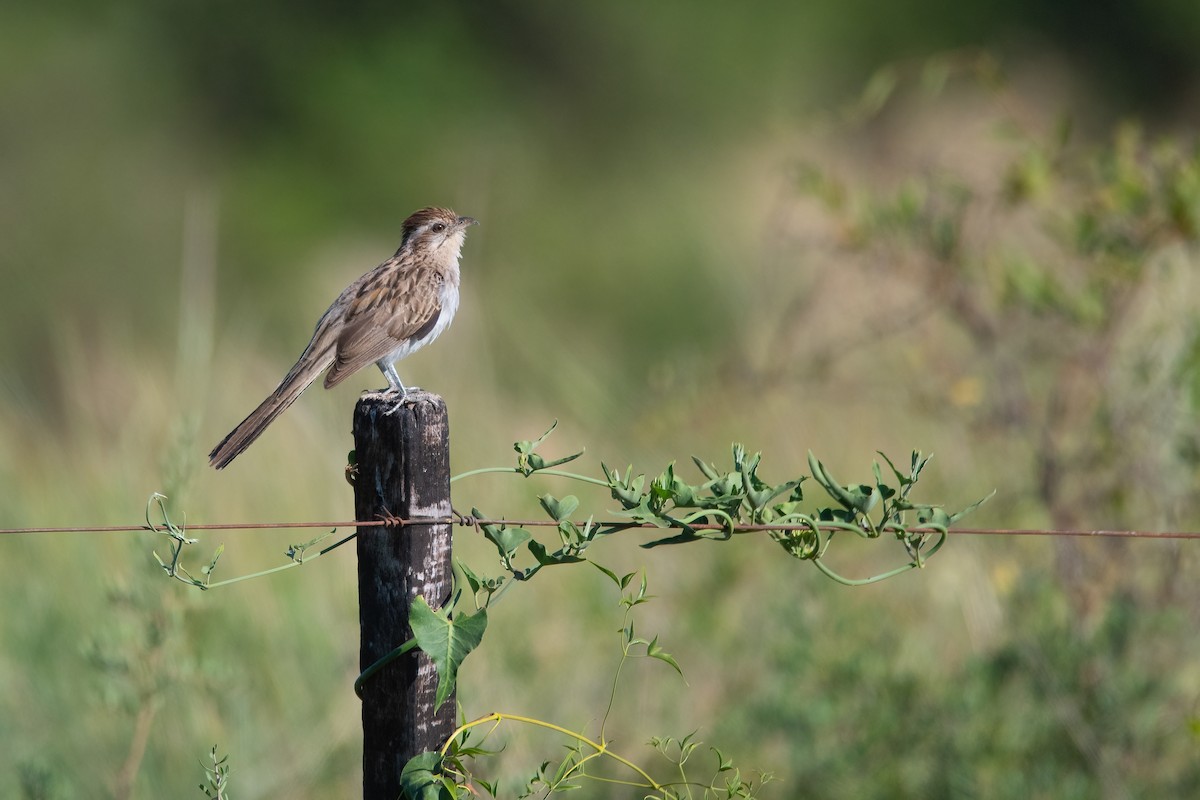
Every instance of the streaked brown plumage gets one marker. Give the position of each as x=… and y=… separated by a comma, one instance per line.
x=396, y=308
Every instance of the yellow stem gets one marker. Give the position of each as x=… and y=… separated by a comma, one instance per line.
x=601, y=749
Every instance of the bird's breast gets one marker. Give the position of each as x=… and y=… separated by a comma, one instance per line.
x=447, y=307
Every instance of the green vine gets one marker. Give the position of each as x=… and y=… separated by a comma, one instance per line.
x=448, y=773
x=724, y=503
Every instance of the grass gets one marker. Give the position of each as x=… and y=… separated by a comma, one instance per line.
x=652, y=336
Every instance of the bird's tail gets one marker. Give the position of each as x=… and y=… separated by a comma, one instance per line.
x=294, y=383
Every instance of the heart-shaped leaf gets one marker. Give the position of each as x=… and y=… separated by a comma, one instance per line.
x=419, y=779
x=446, y=641
x=559, y=509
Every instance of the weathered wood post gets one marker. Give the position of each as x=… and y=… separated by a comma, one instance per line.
x=403, y=461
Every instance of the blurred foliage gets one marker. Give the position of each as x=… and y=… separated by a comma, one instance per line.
x=1072, y=283
x=1053, y=713
x=650, y=272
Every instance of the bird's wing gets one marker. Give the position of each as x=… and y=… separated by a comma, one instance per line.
x=383, y=315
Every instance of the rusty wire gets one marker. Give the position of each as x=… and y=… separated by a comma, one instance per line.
x=469, y=521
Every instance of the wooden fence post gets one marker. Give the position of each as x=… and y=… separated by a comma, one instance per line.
x=403, y=461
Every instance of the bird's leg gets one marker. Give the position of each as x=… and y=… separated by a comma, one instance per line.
x=394, y=384
x=393, y=379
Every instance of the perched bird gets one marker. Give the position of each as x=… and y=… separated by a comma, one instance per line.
x=392, y=311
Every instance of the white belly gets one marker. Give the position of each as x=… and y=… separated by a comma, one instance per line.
x=449, y=305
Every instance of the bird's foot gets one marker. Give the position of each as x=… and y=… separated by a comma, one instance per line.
x=391, y=392
x=395, y=397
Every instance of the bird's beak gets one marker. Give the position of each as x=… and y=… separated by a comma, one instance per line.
x=464, y=222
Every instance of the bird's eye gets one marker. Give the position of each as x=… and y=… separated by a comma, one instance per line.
x=438, y=227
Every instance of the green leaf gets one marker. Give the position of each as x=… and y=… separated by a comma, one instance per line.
x=654, y=651
x=918, y=464
x=660, y=487
x=864, y=497
x=446, y=641
x=420, y=780
x=569, y=534
x=612, y=576
x=525, y=446
x=762, y=493
x=739, y=455
x=559, y=510
x=529, y=462
x=560, y=461
x=707, y=469
x=547, y=559
x=642, y=513
x=687, y=747
x=903, y=479
x=540, y=554
x=473, y=580
x=507, y=540
x=860, y=498
x=212, y=565
x=956, y=517
x=627, y=490
x=546, y=435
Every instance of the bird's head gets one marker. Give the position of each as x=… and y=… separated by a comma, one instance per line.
x=436, y=231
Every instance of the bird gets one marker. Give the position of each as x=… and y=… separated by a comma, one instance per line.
x=388, y=313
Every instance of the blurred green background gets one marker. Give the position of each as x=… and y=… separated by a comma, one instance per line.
x=696, y=228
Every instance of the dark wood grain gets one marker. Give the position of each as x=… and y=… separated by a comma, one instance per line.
x=403, y=470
